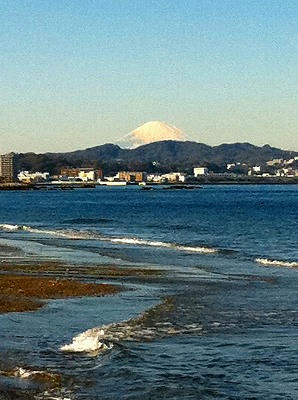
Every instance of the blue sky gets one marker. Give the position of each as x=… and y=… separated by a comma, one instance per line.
x=79, y=73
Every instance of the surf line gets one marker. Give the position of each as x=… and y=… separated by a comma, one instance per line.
x=276, y=263
x=87, y=235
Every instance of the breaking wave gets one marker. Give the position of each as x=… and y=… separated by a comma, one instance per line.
x=145, y=327
x=277, y=263
x=8, y=227
x=90, y=342
x=85, y=235
x=143, y=242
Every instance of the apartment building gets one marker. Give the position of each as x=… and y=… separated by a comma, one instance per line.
x=7, y=167
x=132, y=176
x=85, y=174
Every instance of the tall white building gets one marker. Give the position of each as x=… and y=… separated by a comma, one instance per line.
x=6, y=166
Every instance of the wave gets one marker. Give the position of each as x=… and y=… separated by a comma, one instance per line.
x=87, y=235
x=176, y=246
x=278, y=263
x=88, y=342
x=8, y=227
x=145, y=327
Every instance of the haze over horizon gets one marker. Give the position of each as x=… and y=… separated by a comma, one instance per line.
x=80, y=74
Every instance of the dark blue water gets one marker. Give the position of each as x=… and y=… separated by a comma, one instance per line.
x=220, y=323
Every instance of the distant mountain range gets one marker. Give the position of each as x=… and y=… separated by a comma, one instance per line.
x=161, y=155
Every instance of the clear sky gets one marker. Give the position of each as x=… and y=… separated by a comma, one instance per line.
x=79, y=73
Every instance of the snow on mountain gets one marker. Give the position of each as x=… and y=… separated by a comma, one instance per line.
x=153, y=131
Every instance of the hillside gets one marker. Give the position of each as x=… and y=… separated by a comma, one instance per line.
x=167, y=154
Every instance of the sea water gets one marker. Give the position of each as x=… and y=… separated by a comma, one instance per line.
x=221, y=322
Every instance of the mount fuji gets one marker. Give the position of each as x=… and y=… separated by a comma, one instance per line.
x=153, y=131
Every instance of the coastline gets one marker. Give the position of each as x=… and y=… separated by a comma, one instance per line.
x=204, y=180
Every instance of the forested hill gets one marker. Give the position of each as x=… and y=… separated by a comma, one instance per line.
x=166, y=154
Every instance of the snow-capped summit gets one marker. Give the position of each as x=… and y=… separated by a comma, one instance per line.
x=153, y=131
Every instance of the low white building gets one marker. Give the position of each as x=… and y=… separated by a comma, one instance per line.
x=199, y=171
x=275, y=161
x=229, y=166
x=174, y=177
x=107, y=178
x=27, y=177
x=87, y=175
x=154, y=178
x=256, y=170
x=170, y=177
x=114, y=178
x=290, y=172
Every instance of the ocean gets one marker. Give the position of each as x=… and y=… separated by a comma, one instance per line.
x=218, y=320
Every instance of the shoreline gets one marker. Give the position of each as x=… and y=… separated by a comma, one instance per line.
x=206, y=180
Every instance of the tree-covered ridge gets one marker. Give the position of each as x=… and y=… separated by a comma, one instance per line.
x=158, y=156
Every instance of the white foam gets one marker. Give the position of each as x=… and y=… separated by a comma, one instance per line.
x=48, y=396
x=53, y=395
x=136, y=329
x=25, y=373
x=142, y=242
x=278, y=263
x=93, y=340
x=85, y=235
x=8, y=227
x=198, y=249
x=87, y=342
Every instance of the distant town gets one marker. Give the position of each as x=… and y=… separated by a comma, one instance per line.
x=275, y=170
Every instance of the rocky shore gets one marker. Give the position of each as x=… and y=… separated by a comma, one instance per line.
x=26, y=293
x=28, y=284
x=27, y=287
